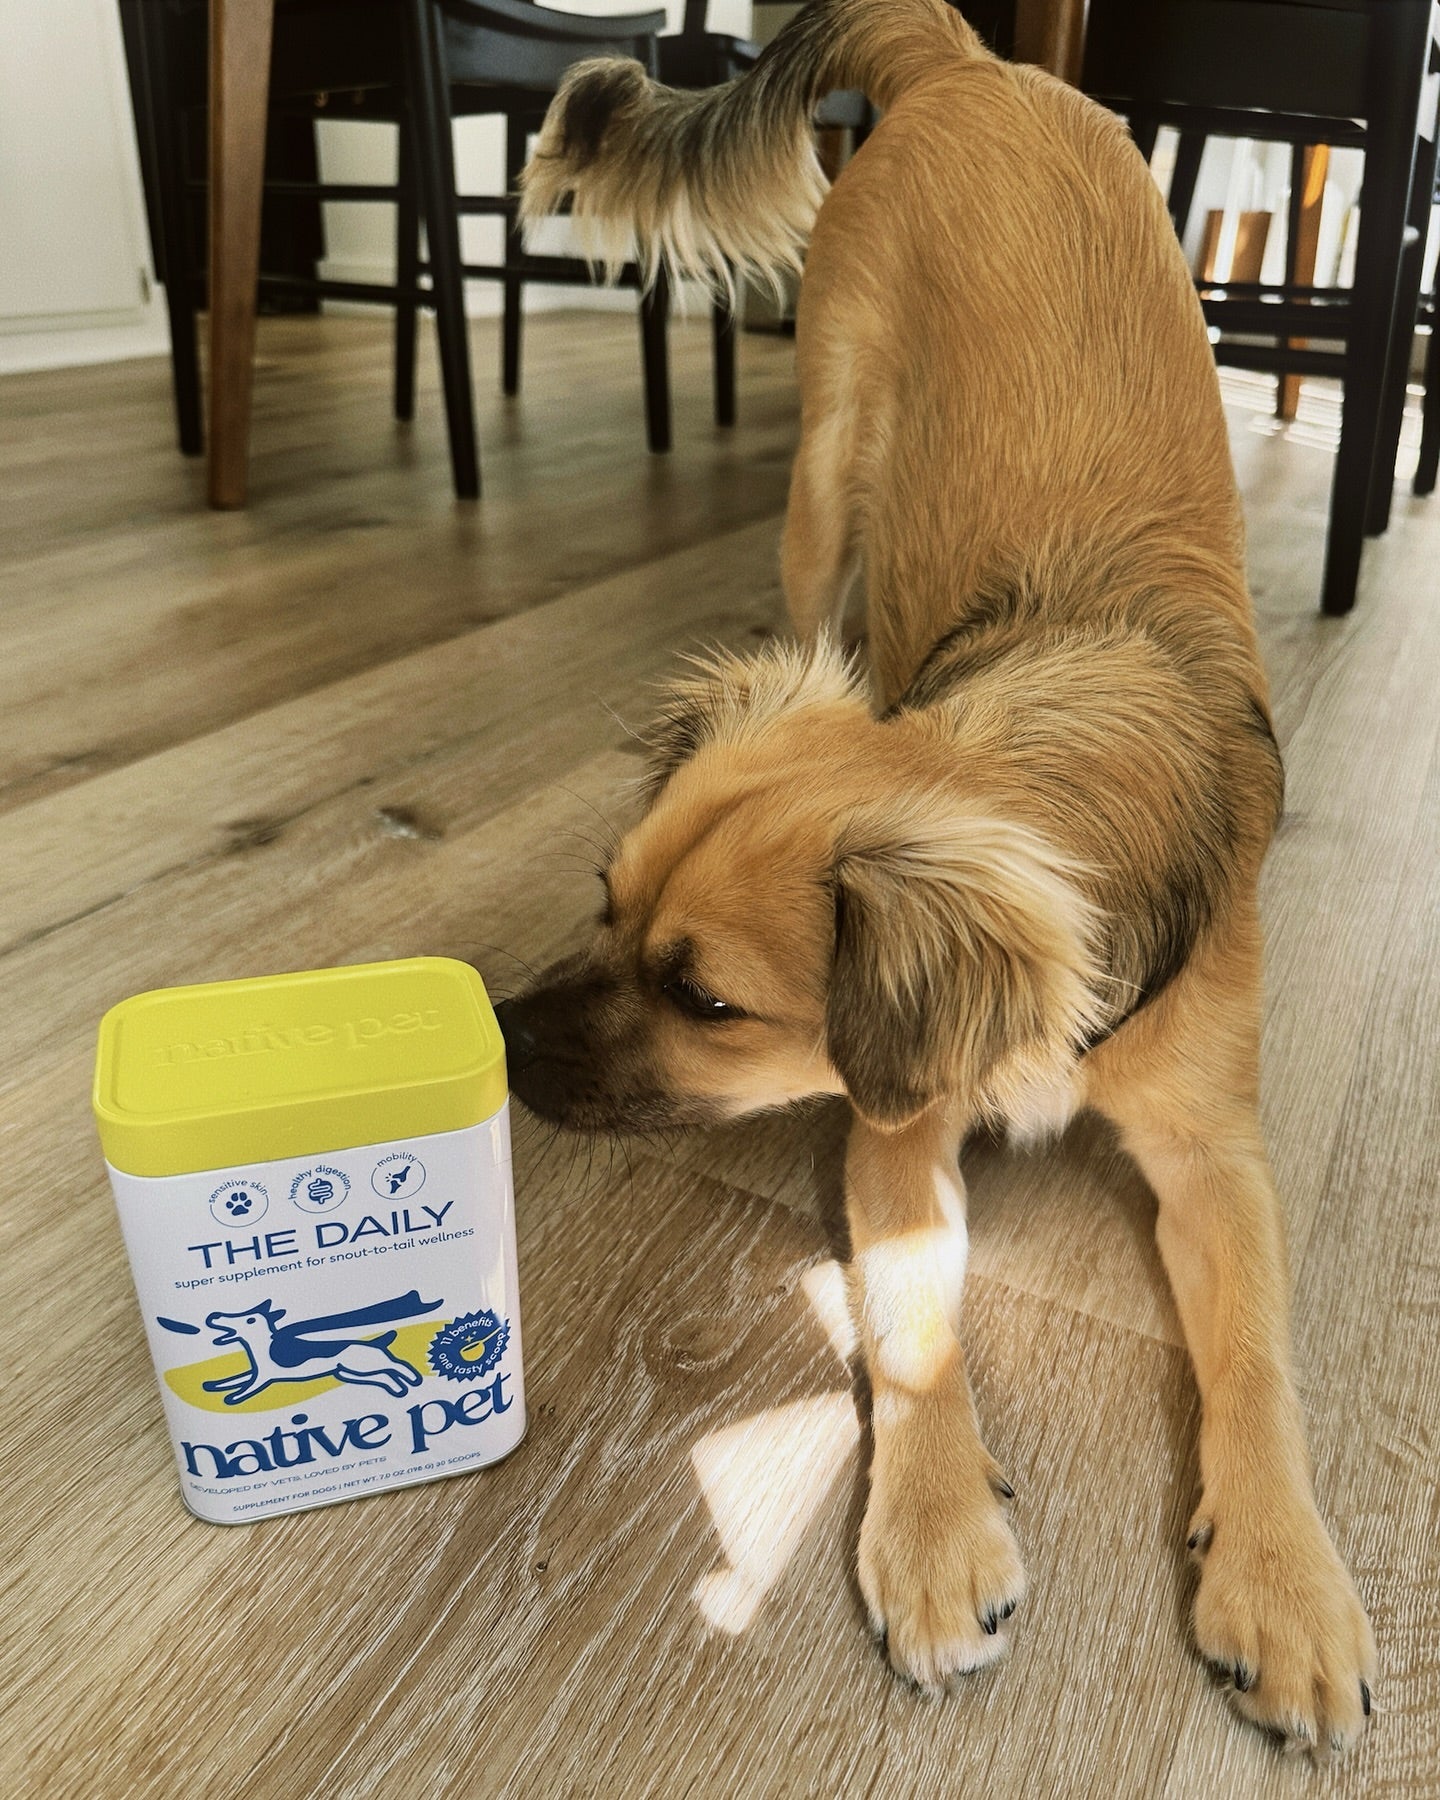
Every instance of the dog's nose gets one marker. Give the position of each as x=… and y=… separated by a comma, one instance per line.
x=520, y=1045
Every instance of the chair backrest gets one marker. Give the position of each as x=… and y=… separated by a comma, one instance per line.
x=493, y=43
x=1287, y=56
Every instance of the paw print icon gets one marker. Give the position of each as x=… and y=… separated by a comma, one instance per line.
x=239, y=1203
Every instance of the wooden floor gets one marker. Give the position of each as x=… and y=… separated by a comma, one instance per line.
x=359, y=721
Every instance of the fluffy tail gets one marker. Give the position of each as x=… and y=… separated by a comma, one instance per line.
x=726, y=179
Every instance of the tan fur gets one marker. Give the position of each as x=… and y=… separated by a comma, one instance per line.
x=1029, y=884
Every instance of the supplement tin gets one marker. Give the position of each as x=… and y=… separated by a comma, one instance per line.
x=313, y=1178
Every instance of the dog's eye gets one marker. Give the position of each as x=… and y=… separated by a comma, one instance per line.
x=696, y=1001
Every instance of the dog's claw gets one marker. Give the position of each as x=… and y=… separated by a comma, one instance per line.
x=990, y=1624
x=1199, y=1539
x=1003, y=1488
x=1365, y=1697
x=1243, y=1676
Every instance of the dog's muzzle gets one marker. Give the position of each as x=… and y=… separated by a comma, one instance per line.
x=576, y=1057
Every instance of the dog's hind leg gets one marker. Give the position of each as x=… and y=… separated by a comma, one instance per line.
x=365, y=1373
x=227, y=1381
x=819, y=557
x=1275, y=1607
x=939, y=1567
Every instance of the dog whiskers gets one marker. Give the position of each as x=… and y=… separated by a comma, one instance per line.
x=472, y=944
x=612, y=831
x=629, y=730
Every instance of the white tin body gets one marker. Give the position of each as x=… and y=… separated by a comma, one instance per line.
x=326, y=1326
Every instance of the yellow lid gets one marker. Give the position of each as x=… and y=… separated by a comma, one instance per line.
x=192, y=1078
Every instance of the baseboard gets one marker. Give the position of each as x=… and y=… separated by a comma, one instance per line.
x=148, y=334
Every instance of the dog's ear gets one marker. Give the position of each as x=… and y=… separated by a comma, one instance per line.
x=727, y=697
x=962, y=965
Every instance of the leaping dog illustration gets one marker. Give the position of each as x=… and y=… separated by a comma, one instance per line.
x=289, y=1353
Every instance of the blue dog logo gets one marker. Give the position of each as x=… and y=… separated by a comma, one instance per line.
x=276, y=1352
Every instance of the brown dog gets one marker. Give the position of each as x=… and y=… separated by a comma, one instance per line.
x=1029, y=883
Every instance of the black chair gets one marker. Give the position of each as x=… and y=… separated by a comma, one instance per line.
x=696, y=58
x=1338, y=72
x=701, y=58
x=419, y=64
x=1429, y=461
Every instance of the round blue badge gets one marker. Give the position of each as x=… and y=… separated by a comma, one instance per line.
x=469, y=1346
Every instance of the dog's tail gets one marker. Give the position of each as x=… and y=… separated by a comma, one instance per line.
x=726, y=179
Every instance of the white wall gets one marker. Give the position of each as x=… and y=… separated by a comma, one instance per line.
x=75, y=274
x=1238, y=175
x=76, y=277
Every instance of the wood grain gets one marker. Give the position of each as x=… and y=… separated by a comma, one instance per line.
x=135, y=619
x=342, y=725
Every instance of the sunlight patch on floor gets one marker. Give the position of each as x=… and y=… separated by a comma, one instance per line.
x=1316, y=425
x=824, y=1285
x=765, y=1479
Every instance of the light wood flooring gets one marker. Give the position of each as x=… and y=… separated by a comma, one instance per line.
x=358, y=721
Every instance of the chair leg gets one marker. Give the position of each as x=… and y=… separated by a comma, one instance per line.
x=516, y=137
x=1394, y=65
x=722, y=325
x=1402, y=337
x=407, y=267
x=1309, y=165
x=654, y=331
x=435, y=158
x=1188, y=154
x=185, y=362
x=1426, y=469
x=1144, y=130
x=162, y=126
x=1287, y=387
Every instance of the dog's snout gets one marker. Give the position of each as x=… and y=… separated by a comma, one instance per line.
x=572, y=1046
x=520, y=1044
x=546, y=1046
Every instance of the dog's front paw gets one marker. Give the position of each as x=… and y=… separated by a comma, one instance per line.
x=1278, y=1613
x=941, y=1573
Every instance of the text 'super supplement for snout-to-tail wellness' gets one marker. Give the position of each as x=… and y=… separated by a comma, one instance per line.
x=313, y=1179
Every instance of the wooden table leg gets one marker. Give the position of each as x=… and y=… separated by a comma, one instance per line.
x=1306, y=198
x=1052, y=34
x=240, y=33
